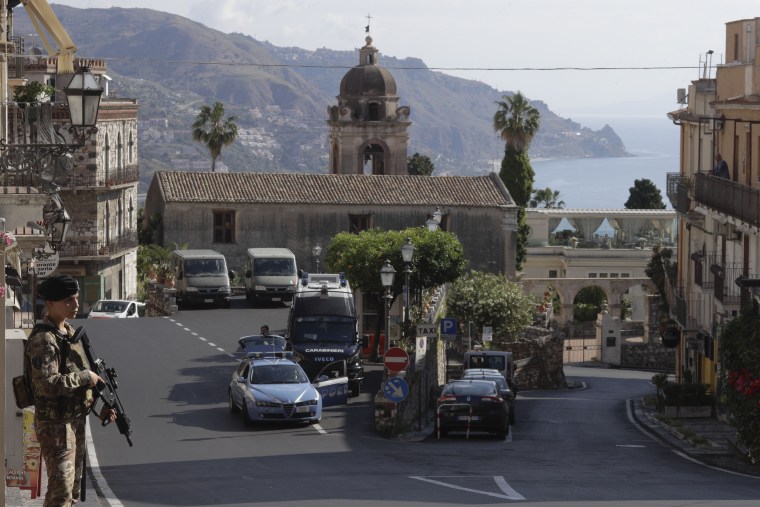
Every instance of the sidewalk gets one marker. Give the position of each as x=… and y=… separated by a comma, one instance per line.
x=706, y=440
x=15, y=497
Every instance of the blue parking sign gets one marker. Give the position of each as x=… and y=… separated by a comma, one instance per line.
x=449, y=327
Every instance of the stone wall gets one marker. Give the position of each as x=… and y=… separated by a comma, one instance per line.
x=160, y=301
x=648, y=356
x=538, y=359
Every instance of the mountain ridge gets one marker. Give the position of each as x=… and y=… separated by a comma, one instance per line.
x=173, y=65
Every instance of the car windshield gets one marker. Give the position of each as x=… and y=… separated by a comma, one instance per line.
x=469, y=389
x=324, y=329
x=277, y=342
x=285, y=373
x=205, y=267
x=110, y=306
x=274, y=267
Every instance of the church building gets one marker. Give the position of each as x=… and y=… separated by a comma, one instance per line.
x=367, y=185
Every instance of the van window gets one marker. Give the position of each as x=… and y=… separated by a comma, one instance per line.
x=205, y=267
x=274, y=267
x=494, y=362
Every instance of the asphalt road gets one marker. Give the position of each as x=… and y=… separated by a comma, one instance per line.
x=568, y=448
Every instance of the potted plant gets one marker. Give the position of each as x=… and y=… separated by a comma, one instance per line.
x=33, y=92
x=683, y=400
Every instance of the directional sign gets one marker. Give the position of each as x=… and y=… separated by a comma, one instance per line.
x=448, y=328
x=395, y=389
x=396, y=359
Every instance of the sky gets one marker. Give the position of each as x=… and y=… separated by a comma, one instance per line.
x=662, y=44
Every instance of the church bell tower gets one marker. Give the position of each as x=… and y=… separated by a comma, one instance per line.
x=368, y=129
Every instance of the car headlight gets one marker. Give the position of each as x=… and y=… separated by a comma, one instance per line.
x=191, y=289
x=266, y=404
x=310, y=402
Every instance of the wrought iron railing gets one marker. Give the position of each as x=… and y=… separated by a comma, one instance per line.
x=732, y=198
x=88, y=248
x=84, y=177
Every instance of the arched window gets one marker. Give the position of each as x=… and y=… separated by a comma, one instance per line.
x=373, y=110
x=107, y=157
x=119, y=153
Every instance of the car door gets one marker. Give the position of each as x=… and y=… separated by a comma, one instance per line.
x=239, y=388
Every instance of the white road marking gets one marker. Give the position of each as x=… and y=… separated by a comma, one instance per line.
x=509, y=493
x=319, y=428
x=179, y=323
x=212, y=344
x=202, y=339
x=193, y=333
x=631, y=446
x=220, y=349
x=97, y=475
x=186, y=329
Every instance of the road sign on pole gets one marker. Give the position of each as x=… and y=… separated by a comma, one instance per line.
x=448, y=328
x=395, y=389
x=396, y=359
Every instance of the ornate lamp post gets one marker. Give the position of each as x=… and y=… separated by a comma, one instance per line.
x=83, y=96
x=407, y=252
x=387, y=274
x=316, y=251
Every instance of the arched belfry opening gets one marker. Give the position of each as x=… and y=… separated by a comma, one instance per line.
x=374, y=160
x=368, y=129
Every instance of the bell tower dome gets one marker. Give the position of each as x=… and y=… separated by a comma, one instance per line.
x=368, y=129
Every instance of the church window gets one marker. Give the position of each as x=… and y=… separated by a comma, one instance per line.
x=359, y=222
x=224, y=226
x=552, y=273
x=374, y=111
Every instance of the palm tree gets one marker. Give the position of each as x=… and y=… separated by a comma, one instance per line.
x=516, y=121
x=212, y=129
x=548, y=197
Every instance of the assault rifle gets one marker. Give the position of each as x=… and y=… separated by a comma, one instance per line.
x=106, y=389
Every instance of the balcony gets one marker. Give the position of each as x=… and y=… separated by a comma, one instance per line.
x=685, y=302
x=726, y=196
x=76, y=248
x=81, y=177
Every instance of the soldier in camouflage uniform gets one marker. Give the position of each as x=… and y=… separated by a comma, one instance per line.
x=62, y=384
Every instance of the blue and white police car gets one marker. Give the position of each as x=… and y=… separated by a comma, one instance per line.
x=270, y=387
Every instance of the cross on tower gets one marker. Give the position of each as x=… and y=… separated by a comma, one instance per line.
x=366, y=28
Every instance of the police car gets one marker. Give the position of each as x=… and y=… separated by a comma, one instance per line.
x=271, y=387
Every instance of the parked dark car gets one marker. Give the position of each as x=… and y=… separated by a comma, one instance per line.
x=472, y=405
x=501, y=382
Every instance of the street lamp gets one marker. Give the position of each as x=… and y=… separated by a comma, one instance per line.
x=316, y=251
x=387, y=274
x=56, y=219
x=83, y=97
x=437, y=215
x=432, y=225
x=407, y=252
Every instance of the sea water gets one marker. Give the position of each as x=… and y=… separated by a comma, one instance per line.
x=604, y=183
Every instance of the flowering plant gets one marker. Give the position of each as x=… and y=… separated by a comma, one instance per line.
x=34, y=91
x=2, y=291
x=5, y=240
x=745, y=384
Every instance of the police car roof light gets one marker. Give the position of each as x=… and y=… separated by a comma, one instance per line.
x=278, y=354
x=343, y=280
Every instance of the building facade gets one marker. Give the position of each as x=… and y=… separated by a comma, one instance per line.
x=719, y=217
x=98, y=186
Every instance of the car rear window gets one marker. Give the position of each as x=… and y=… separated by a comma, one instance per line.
x=500, y=381
x=470, y=388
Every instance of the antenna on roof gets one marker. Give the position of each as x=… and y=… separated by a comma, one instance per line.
x=708, y=64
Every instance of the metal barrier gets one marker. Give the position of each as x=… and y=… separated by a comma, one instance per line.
x=451, y=405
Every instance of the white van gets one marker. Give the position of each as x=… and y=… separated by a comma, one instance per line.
x=201, y=277
x=492, y=359
x=270, y=275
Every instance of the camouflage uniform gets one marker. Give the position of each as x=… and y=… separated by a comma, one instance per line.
x=62, y=398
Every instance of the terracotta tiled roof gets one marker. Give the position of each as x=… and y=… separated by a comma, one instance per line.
x=478, y=191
